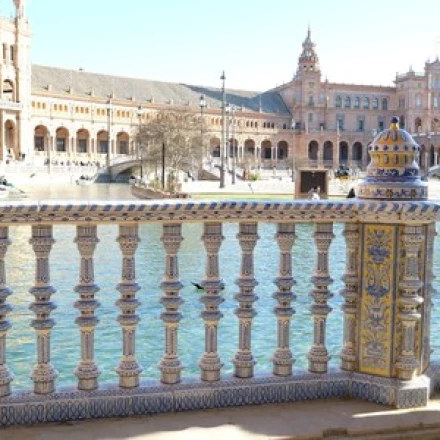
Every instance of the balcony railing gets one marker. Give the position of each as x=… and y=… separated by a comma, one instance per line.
x=135, y=393
x=10, y=105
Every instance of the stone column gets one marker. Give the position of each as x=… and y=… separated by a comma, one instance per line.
x=44, y=374
x=210, y=364
x=283, y=359
x=408, y=302
x=351, y=295
x=87, y=371
x=128, y=369
x=6, y=376
x=318, y=355
x=244, y=360
x=170, y=365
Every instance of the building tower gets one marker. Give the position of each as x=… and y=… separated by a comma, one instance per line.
x=308, y=60
x=15, y=83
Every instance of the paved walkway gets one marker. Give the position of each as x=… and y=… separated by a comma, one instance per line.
x=332, y=419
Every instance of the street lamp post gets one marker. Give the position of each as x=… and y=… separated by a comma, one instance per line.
x=202, y=104
x=139, y=145
x=293, y=149
x=109, y=127
x=223, y=137
x=233, y=143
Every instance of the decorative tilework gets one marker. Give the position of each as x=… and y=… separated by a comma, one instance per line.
x=377, y=300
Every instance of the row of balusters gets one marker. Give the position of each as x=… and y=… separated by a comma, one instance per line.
x=44, y=374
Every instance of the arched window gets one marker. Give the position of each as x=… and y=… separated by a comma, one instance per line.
x=418, y=101
x=338, y=101
x=357, y=102
x=435, y=102
x=328, y=152
x=375, y=103
x=366, y=103
x=313, y=150
x=418, y=125
x=385, y=104
x=311, y=100
x=8, y=90
x=347, y=102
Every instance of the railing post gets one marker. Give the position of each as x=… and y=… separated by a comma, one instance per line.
x=170, y=365
x=394, y=275
x=128, y=369
x=351, y=295
x=318, y=355
x=87, y=371
x=244, y=360
x=44, y=374
x=210, y=363
x=409, y=301
x=6, y=376
x=283, y=359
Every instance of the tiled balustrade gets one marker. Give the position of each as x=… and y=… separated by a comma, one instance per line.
x=384, y=353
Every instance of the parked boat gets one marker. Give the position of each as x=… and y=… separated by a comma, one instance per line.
x=143, y=192
x=86, y=180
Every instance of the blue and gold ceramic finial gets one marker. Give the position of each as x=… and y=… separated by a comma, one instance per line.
x=393, y=173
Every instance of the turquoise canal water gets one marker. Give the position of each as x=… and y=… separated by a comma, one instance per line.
x=150, y=257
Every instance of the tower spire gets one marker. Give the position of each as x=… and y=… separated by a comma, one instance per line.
x=20, y=8
x=308, y=60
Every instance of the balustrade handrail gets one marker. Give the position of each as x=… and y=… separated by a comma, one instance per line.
x=131, y=396
x=183, y=211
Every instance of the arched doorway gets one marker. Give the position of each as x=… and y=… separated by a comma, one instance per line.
x=122, y=142
x=343, y=153
x=249, y=147
x=432, y=156
x=82, y=141
x=214, y=147
x=328, y=153
x=40, y=139
x=62, y=140
x=357, y=153
x=282, y=150
x=313, y=150
x=11, y=144
x=266, y=150
x=103, y=142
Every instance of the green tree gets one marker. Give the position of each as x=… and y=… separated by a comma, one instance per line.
x=173, y=138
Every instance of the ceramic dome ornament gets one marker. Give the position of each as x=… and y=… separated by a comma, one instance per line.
x=393, y=173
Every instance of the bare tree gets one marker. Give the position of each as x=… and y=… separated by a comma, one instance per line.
x=172, y=141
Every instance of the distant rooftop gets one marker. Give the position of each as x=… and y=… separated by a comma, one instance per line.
x=148, y=91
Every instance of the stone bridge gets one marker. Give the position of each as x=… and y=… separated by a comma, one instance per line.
x=128, y=164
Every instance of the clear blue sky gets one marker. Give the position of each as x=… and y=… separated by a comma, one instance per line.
x=257, y=43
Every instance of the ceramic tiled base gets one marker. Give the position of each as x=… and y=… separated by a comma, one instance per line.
x=153, y=398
